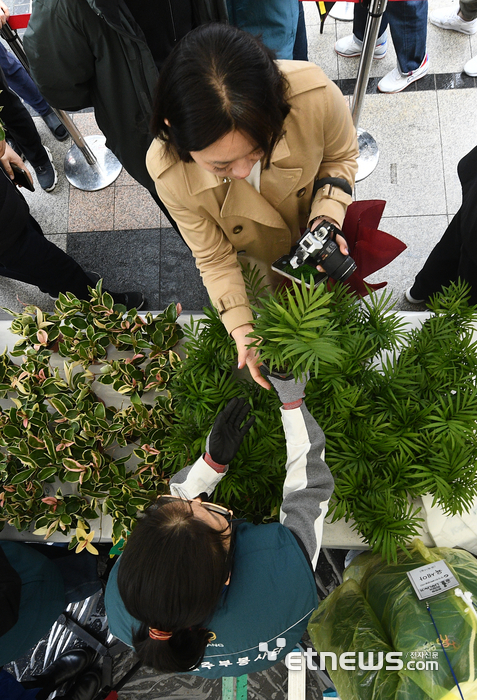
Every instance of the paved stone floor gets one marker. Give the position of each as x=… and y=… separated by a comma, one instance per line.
x=119, y=232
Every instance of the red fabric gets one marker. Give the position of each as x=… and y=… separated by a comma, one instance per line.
x=370, y=248
x=19, y=21
x=219, y=468
x=112, y=695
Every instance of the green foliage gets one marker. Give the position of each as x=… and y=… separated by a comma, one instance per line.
x=295, y=331
x=58, y=436
x=398, y=409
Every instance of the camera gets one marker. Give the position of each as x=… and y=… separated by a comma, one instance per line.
x=318, y=247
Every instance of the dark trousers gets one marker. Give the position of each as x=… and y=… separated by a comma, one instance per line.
x=300, y=49
x=20, y=126
x=408, y=25
x=79, y=571
x=448, y=261
x=20, y=81
x=35, y=260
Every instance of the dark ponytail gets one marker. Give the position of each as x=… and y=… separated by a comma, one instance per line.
x=182, y=652
x=171, y=576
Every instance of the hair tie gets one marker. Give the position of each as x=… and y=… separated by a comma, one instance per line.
x=159, y=635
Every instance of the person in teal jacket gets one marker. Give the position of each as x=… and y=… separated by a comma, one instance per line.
x=274, y=21
x=198, y=592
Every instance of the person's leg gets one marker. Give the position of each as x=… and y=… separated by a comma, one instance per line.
x=352, y=44
x=360, y=17
x=300, y=49
x=468, y=9
x=443, y=264
x=35, y=260
x=79, y=571
x=21, y=83
x=21, y=127
x=408, y=25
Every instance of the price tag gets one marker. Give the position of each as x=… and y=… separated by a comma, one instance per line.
x=431, y=579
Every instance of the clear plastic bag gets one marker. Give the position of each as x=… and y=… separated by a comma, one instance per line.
x=377, y=598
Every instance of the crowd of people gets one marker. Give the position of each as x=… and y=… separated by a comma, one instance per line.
x=242, y=153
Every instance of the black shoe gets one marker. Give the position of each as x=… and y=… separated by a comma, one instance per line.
x=55, y=126
x=131, y=300
x=46, y=174
x=66, y=667
x=94, y=279
x=85, y=688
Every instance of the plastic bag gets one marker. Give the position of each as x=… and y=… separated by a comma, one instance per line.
x=344, y=622
x=405, y=623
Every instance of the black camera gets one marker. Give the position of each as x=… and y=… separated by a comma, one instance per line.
x=318, y=247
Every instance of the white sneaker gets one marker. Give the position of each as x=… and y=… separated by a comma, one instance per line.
x=350, y=46
x=471, y=67
x=448, y=18
x=395, y=81
x=411, y=299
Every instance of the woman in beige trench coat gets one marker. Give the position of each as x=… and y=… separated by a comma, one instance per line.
x=242, y=142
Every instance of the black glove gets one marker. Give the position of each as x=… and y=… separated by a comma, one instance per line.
x=287, y=388
x=226, y=435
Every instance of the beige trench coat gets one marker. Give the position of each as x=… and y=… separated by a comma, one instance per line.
x=226, y=221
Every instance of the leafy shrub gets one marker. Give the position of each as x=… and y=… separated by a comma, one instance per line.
x=398, y=409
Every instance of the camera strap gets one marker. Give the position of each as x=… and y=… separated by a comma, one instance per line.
x=334, y=182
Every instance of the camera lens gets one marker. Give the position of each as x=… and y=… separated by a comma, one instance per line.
x=335, y=264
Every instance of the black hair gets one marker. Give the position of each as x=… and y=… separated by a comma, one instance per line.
x=216, y=80
x=171, y=576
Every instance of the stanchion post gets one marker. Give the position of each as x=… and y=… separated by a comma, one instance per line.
x=368, y=148
x=97, y=172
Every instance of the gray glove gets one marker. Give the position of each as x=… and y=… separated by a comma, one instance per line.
x=288, y=388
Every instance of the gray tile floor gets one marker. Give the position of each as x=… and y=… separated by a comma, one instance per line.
x=421, y=133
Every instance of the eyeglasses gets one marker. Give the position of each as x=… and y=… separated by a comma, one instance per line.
x=211, y=507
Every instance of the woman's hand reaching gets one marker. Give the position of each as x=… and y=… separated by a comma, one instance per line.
x=248, y=356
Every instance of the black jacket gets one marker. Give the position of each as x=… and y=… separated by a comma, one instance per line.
x=467, y=214
x=92, y=53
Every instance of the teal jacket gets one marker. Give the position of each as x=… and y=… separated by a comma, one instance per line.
x=42, y=600
x=274, y=21
x=272, y=590
x=271, y=595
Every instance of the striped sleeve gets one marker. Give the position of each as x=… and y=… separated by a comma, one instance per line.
x=308, y=483
x=195, y=479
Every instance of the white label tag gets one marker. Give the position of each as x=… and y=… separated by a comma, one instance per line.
x=432, y=579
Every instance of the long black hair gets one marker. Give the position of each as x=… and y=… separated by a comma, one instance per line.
x=216, y=80
x=171, y=576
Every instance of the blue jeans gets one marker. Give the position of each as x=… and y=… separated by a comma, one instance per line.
x=21, y=83
x=408, y=24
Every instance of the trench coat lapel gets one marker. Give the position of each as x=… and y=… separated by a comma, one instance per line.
x=241, y=199
x=276, y=184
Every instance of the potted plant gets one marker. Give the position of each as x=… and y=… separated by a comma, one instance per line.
x=397, y=407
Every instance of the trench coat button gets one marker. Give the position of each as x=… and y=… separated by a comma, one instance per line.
x=301, y=192
x=237, y=229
